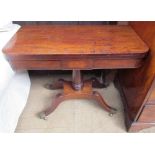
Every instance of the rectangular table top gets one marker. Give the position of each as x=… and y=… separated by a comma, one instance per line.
x=51, y=41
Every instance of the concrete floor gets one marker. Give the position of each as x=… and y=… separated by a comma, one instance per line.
x=72, y=116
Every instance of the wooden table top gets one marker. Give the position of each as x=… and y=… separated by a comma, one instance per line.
x=75, y=40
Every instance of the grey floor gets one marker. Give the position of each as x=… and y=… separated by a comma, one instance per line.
x=72, y=116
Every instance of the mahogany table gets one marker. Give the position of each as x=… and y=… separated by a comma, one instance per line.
x=75, y=47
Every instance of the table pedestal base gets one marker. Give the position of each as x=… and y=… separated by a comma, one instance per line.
x=77, y=89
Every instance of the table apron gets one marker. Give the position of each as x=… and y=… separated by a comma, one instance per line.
x=86, y=64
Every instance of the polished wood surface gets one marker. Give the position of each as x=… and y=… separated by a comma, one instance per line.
x=49, y=42
x=138, y=84
x=151, y=99
x=75, y=47
x=148, y=114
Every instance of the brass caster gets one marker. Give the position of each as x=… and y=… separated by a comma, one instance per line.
x=113, y=111
x=111, y=114
x=43, y=116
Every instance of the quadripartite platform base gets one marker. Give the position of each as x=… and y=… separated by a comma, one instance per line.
x=77, y=89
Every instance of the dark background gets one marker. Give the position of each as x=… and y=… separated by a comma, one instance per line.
x=65, y=22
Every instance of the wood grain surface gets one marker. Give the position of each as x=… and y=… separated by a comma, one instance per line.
x=50, y=41
x=138, y=84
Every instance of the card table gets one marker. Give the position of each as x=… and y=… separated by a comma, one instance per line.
x=76, y=48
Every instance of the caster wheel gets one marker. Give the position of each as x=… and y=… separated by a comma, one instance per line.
x=111, y=114
x=43, y=116
x=113, y=111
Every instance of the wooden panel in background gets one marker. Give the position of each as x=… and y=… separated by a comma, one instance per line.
x=151, y=99
x=137, y=84
x=148, y=114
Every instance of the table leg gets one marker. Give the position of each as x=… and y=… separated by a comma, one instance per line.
x=77, y=89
